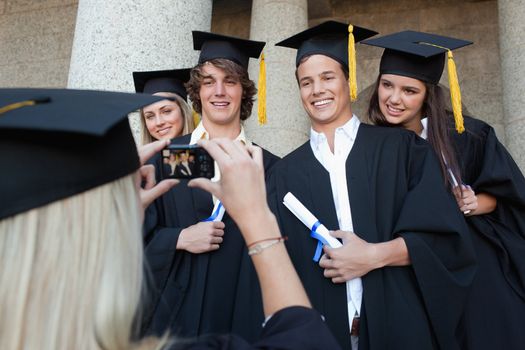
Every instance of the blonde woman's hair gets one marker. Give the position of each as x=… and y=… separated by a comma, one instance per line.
x=71, y=272
x=188, y=127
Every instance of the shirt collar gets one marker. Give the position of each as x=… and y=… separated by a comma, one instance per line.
x=348, y=130
x=201, y=133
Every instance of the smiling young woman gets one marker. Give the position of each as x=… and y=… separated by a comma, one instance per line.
x=168, y=118
x=407, y=95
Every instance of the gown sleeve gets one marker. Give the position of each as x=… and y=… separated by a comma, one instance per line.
x=438, y=242
x=289, y=329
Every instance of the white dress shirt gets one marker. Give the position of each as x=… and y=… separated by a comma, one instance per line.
x=335, y=164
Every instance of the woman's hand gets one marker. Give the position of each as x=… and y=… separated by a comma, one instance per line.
x=241, y=189
x=466, y=199
x=151, y=189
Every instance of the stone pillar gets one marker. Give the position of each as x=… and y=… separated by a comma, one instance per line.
x=288, y=124
x=114, y=38
x=512, y=51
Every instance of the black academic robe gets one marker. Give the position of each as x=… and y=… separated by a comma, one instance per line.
x=195, y=294
x=284, y=331
x=495, y=309
x=395, y=189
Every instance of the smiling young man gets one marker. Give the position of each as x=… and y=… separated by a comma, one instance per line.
x=205, y=279
x=400, y=277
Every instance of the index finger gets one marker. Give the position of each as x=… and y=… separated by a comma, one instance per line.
x=215, y=151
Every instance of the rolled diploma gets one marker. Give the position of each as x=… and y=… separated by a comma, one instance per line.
x=220, y=214
x=308, y=219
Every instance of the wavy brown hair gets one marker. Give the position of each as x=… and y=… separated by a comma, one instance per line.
x=434, y=108
x=232, y=69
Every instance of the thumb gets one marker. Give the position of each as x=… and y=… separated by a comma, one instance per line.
x=206, y=185
x=149, y=195
x=339, y=234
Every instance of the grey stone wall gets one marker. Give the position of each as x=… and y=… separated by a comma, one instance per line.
x=35, y=42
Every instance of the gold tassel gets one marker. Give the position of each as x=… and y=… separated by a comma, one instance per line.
x=17, y=105
x=455, y=93
x=196, y=117
x=261, y=103
x=352, y=82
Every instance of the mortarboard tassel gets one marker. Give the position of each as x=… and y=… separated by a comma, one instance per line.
x=352, y=64
x=261, y=104
x=455, y=93
x=196, y=117
x=21, y=104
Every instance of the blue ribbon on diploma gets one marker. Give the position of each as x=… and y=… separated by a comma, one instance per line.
x=320, y=241
x=215, y=213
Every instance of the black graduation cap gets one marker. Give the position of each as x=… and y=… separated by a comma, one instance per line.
x=162, y=81
x=234, y=49
x=329, y=38
x=415, y=54
x=238, y=50
x=333, y=39
x=57, y=143
x=421, y=56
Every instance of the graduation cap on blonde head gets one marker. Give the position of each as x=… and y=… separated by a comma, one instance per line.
x=238, y=50
x=333, y=39
x=422, y=56
x=57, y=143
x=152, y=82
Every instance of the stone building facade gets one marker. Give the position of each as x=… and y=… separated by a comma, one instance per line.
x=96, y=44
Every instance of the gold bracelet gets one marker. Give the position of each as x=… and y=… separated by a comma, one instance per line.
x=258, y=247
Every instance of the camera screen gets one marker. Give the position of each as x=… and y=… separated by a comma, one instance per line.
x=178, y=163
x=186, y=162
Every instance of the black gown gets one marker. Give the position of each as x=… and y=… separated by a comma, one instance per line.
x=293, y=328
x=395, y=189
x=195, y=294
x=495, y=309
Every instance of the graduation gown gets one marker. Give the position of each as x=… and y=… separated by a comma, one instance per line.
x=495, y=309
x=395, y=189
x=284, y=331
x=194, y=294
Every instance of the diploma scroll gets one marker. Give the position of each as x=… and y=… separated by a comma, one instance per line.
x=217, y=212
x=318, y=230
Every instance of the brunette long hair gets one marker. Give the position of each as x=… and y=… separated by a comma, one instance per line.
x=438, y=127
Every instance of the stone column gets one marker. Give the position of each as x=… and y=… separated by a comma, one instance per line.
x=512, y=51
x=114, y=38
x=288, y=124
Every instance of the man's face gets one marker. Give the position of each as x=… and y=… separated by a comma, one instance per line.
x=324, y=91
x=220, y=96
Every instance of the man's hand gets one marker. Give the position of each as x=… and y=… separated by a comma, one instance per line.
x=202, y=237
x=354, y=259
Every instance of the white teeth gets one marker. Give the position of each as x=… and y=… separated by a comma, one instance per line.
x=220, y=104
x=322, y=103
x=395, y=109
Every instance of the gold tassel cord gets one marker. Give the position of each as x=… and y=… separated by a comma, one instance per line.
x=261, y=104
x=196, y=117
x=453, y=84
x=352, y=81
x=17, y=105
x=455, y=93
